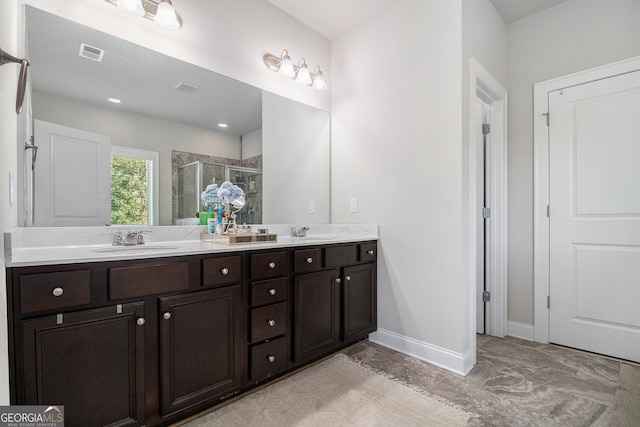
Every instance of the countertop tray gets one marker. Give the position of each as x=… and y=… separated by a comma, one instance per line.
x=240, y=239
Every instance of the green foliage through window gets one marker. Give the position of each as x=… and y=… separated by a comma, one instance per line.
x=129, y=191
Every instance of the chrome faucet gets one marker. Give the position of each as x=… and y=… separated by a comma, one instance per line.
x=299, y=232
x=117, y=238
x=134, y=238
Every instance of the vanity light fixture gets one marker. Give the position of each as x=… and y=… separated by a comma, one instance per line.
x=163, y=13
x=300, y=73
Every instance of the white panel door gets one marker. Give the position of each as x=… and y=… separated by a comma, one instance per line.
x=594, y=193
x=72, y=177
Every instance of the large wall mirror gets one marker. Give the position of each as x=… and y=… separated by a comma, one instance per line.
x=164, y=138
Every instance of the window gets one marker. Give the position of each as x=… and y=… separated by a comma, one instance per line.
x=134, y=186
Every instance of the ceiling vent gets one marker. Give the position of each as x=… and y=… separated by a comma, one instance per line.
x=91, y=52
x=186, y=87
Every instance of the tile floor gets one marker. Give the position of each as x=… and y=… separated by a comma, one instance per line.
x=514, y=382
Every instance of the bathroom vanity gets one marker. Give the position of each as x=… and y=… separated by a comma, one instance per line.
x=121, y=338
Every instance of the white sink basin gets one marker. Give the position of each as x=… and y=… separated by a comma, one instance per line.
x=136, y=249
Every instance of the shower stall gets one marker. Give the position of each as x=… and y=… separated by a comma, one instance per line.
x=193, y=179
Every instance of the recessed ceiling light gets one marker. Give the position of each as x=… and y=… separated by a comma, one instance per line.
x=114, y=100
x=223, y=125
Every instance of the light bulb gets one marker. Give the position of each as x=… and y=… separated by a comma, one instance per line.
x=286, y=67
x=166, y=16
x=131, y=6
x=319, y=83
x=304, y=76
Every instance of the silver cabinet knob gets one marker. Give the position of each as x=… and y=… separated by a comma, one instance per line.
x=57, y=291
x=271, y=358
x=224, y=271
x=166, y=315
x=338, y=280
x=309, y=260
x=272, y=264
x=370, y=252
x=140, y=321
x=272, y=291
x=271, y=322
x=348, y=278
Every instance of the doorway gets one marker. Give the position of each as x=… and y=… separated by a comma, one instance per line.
x=589, y=236
x=488, y=233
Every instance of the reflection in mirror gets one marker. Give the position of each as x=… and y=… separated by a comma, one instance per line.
x=168, y=107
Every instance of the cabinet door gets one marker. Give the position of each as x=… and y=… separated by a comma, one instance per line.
x=317, y=314
x=200, y=351
x=92, y=362
x=359, y=301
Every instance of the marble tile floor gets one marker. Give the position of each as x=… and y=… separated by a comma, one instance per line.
x=514, y=383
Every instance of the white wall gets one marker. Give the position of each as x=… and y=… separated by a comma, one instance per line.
x=125, y=129
x=8, y=164
x=252, y=144
x=396, y=147
x=573, y=36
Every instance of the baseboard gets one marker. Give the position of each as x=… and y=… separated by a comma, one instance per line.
x=455, y=362
x=520, y=330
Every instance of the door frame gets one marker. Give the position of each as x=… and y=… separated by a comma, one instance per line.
x=541, y=180
x=482, y=81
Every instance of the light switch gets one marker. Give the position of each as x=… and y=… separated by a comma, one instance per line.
x=312, y=206
x=12, y=190
x=354, y=205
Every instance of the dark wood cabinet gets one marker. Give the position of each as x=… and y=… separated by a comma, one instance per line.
x=359, y=301
x=91, y=361
x=316, y=314
x=200, y=347
x=152, y=341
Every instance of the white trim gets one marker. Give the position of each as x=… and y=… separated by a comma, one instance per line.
x=154, y=158
x=520, y=330
x=541, y=180
x=457, y=363
x=481, y=79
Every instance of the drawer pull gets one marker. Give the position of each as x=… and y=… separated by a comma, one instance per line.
x=271, y=322
x=271, y=358
x=57, y=291
x=224, y=271
x=309, y=260
x=370, y=252
x=272, y=264
x=166, y=315
x=348, y=278
x=272, y=291
x=140, y=321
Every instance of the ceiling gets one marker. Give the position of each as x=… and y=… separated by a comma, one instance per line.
x=332, y=18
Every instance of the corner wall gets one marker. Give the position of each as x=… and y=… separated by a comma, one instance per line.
x=573, y=36
x=396, y=147
x=8, y=164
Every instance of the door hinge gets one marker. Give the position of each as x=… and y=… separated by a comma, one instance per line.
x=486, y=129
x=548, y=212
x=548, y=302
x=486, y=213
x=486, y=296
x=547, y=116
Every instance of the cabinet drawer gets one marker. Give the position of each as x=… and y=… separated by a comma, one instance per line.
x=368, y=252
x=336, y=256
x=132, y=282
x=268, y=359
x=268, y=322
x=307, y=260
x=51, y=291
x=272, y=264
x=222, y=270
x=269, y=291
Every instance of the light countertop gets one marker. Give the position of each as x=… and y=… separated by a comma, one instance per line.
x=68, y=245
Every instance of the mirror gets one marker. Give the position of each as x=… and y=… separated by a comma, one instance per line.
x=171, y=110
